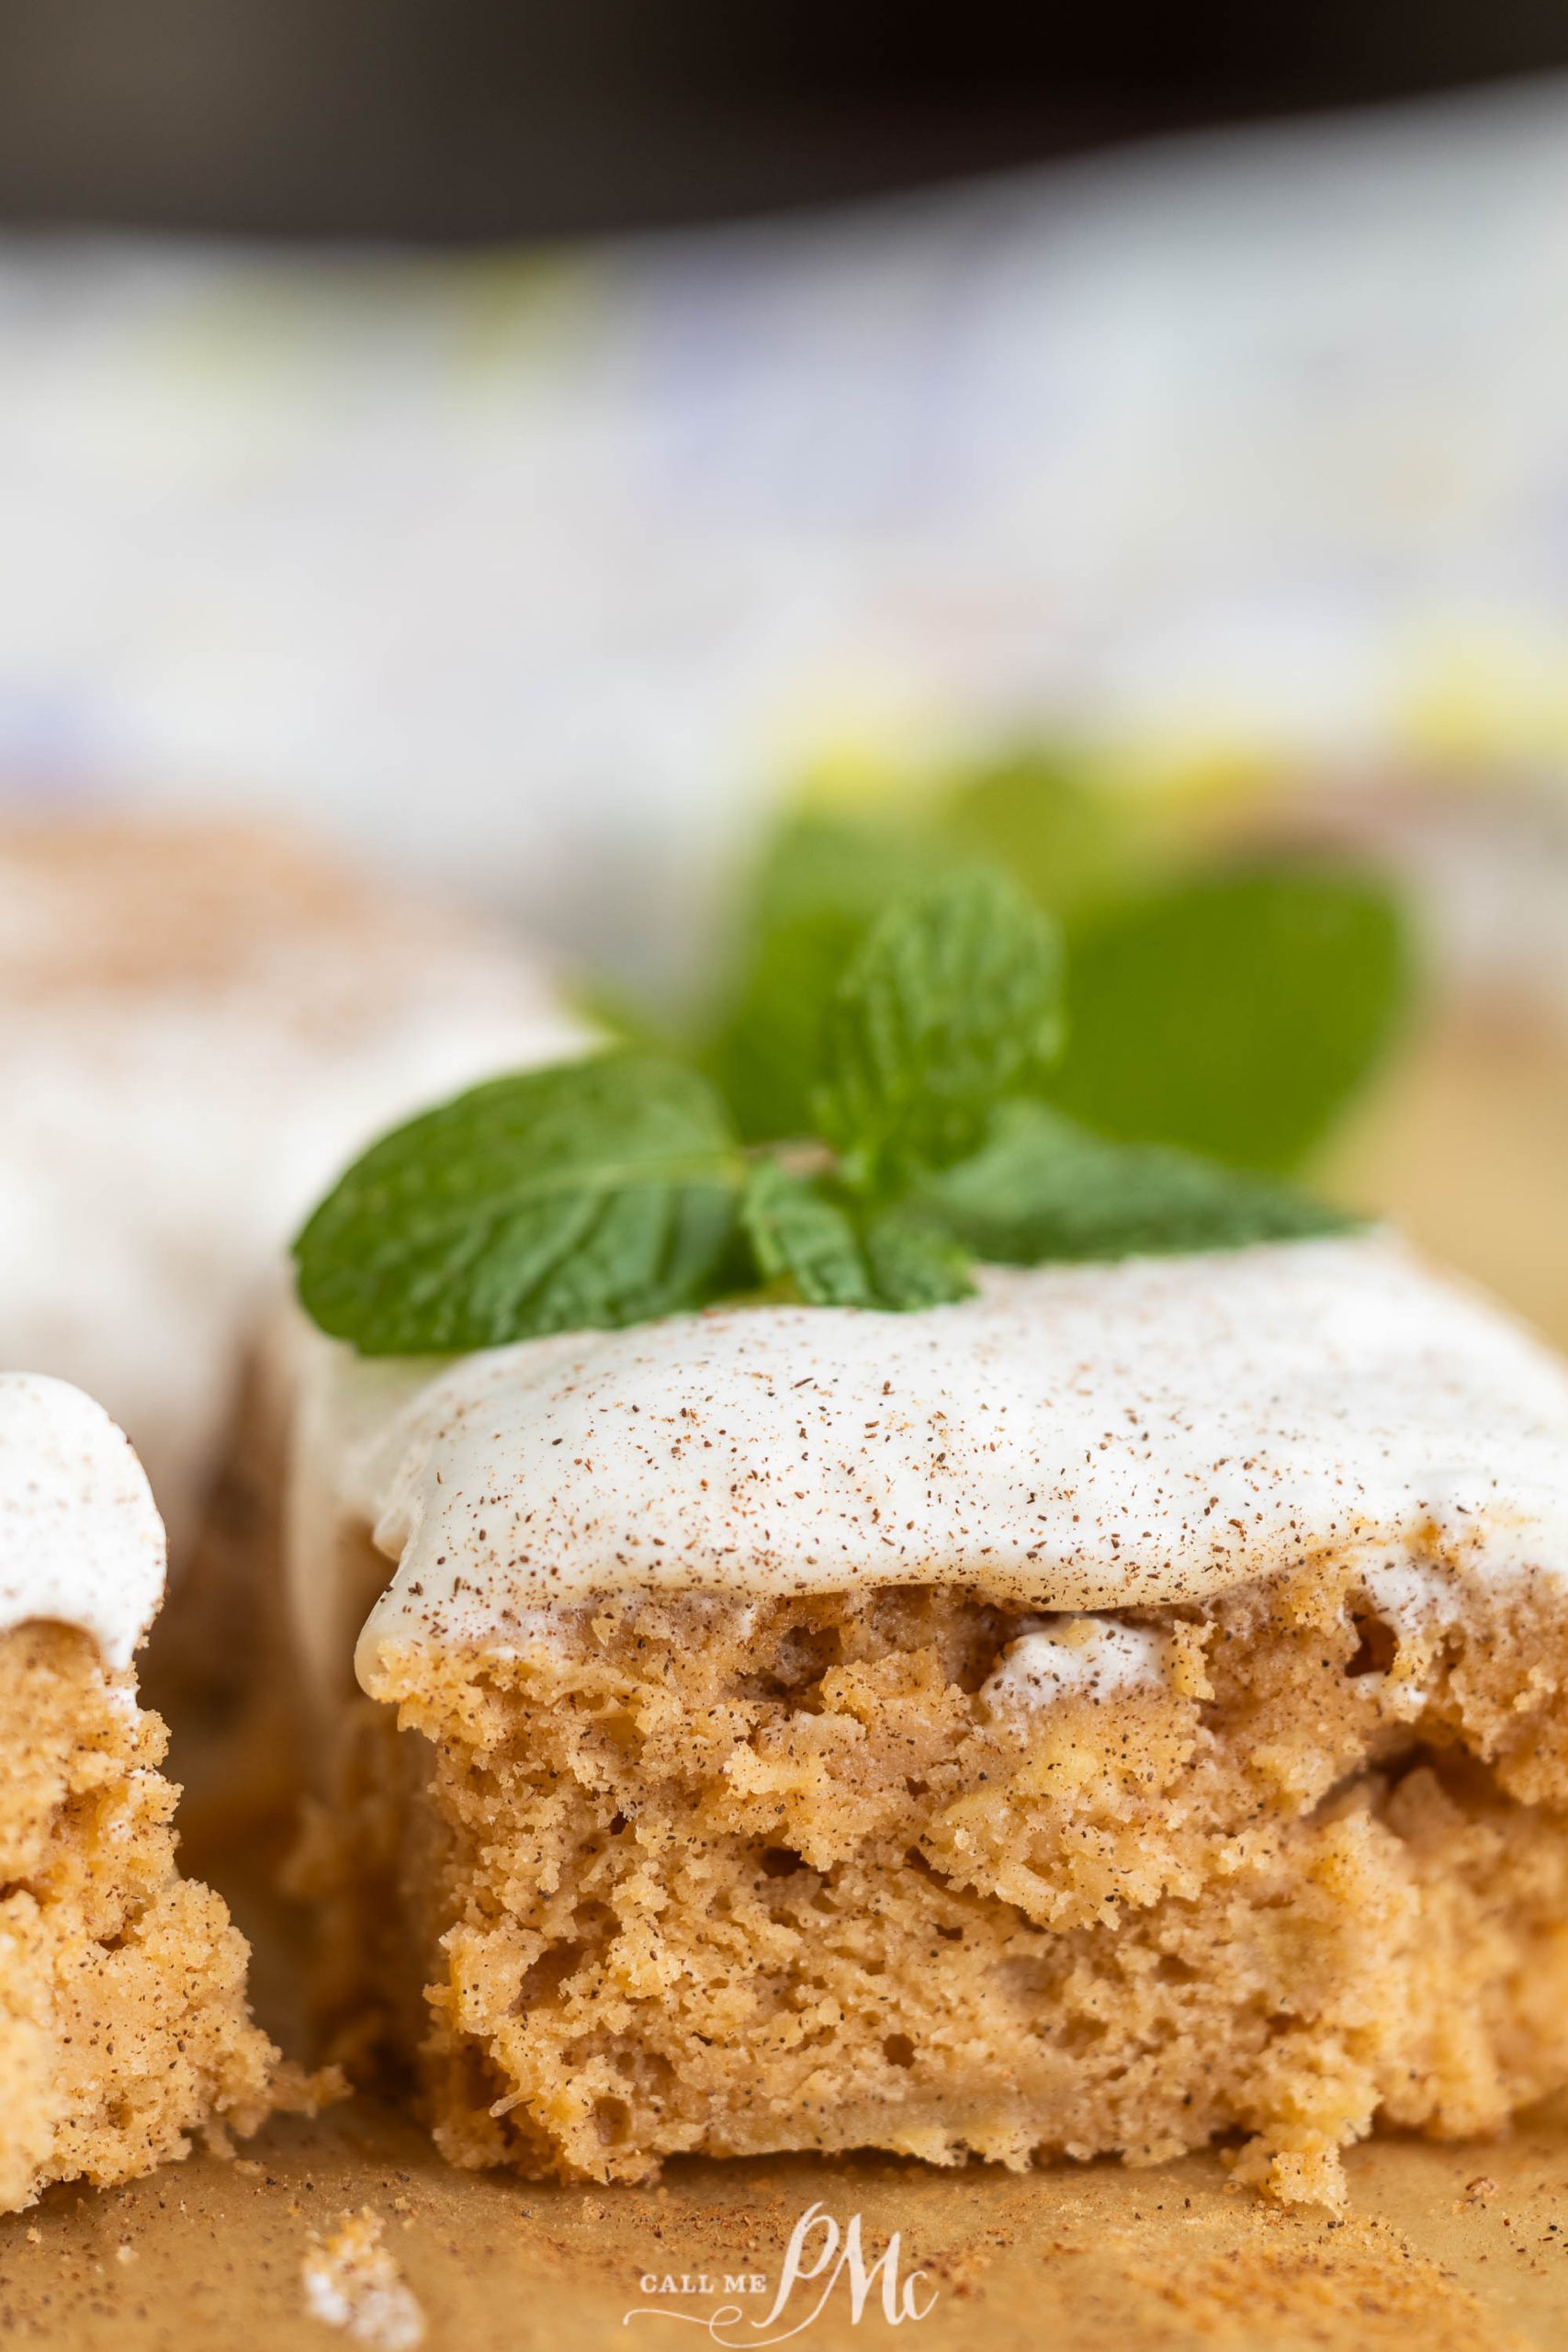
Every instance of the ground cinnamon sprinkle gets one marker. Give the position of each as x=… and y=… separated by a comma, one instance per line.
x=1367, y=2285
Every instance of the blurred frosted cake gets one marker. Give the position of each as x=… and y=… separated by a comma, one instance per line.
x=1119, y=1711
x=123, y=2024
x=198, y=1023
x=201, y=1023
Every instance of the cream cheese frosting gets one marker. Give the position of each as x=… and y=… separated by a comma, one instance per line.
x=1073, y=1438
x=81, y=1541
x=202, y=1027
x=1094, y=1658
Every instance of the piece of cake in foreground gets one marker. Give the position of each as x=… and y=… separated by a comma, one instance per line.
x=1125, y=1709
x=123, y=2024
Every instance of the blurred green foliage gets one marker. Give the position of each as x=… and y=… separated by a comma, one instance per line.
x=1232, y=1013
x=1074, y=845
x=1227, y=1007
x=822, y=881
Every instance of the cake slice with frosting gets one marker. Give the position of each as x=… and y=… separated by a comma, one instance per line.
x=202, y=1020
x=1123, y=1710
x=124, y=2028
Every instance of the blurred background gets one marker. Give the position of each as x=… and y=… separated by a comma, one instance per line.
x=477, y=118
x=534, y=441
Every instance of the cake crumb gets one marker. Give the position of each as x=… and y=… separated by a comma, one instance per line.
x=125, y=2251
x=351, y=2282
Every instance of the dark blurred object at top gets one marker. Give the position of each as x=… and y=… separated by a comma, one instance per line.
x=527, y=117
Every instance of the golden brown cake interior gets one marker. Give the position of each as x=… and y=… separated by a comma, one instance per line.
x=696, y=1874
x=123, y=2024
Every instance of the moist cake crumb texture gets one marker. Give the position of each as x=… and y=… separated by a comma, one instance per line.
x=124, y=2028
x=719, y=1877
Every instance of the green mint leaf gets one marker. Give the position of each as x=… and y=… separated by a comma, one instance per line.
x=949, y=1002
x=914, y=1260
x=800, y=1234
x=822, y=881
x=1044, y=1189
x=835, y=1253
x=1233, y=1015
x=592, y=1194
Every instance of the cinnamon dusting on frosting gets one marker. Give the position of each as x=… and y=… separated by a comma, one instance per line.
x=1073, y=1438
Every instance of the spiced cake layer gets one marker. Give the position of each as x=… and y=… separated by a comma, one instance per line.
x=124, y=2030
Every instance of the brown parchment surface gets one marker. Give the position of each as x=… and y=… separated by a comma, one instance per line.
x=1442, y=2250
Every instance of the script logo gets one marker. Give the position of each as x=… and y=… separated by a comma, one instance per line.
x=819, y=2256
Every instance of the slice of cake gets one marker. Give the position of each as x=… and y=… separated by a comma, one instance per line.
x=201, y=1022
x=1123, y=1710
x=123, y=2024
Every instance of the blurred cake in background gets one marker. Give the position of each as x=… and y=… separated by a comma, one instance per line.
x=198, y=1025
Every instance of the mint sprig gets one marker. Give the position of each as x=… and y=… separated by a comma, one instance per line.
x=596, y=1194
x=1045, y=1190
x=820, y=884
x=832, y=1252
x=616, y=1189
x=1231, y=1010
x=915, y=1259
x=800, y=1234
x=950, y=1004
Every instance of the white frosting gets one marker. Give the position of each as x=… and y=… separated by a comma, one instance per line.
x=1075, y=1438
x=1090, y=1657
x=341, y=1402
x=164, y=1135
x=1411, y=1596
x=81, y=1541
